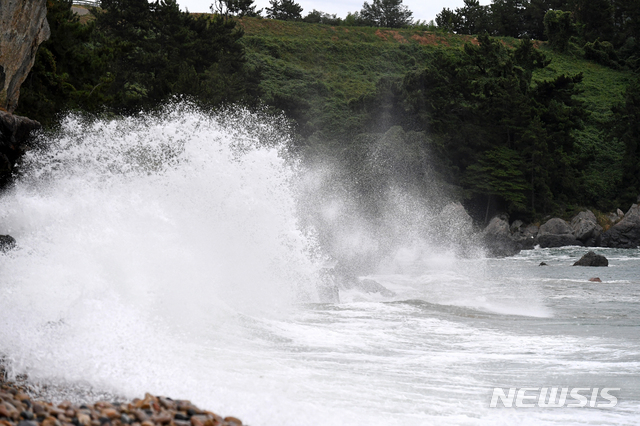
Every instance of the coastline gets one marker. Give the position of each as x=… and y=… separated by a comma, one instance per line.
x=20, y=405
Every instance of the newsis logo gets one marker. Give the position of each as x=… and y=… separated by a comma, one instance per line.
x=554, y=397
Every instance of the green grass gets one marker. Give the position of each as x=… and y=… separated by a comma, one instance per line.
x=329, y=67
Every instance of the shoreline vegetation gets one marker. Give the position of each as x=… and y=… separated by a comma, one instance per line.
x=21, y=406
x=531, y=122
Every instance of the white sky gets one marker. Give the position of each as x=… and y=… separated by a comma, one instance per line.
x=424, y=10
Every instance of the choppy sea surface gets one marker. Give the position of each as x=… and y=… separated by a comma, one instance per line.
x=164, y=255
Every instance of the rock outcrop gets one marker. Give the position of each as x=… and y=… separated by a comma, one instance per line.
x=15, y=135
x=556, y=233
x=592, y=259
x=586, y=228
x=23, y=27
x=497, y=239
x=454, y=229
x=626, y=233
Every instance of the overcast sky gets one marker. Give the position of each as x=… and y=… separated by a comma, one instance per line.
x=424, y=10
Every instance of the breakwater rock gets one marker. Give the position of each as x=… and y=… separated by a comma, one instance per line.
x=592, y=259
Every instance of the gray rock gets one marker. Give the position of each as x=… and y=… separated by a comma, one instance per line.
x=7, y=242
x=585, y=227
x=23, y=27
x=516, y=227
x=555, y=226
x=548, y=241
x=626, y=233
x=455, y=216
x=498, y=226
x=592, y=259
x=531, y=231
x=524, y=237
x=497, y=238
x=371, y=286
x=15, y=137
x=556, y=233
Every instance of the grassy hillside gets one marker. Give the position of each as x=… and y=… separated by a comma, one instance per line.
x=322, y=76
x=323, y=69
x=321, y=64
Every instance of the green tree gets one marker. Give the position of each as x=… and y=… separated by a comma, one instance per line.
x=318, y=17
x=236, y=7
x=473, y=18
x=499, y=172
x=484, y=113
x=625, y=127
x=508, y=17
x=447, y=20
x=69, y=72
x=386, y=13
x=159, y=51
x=559, y=28
x=284, y=10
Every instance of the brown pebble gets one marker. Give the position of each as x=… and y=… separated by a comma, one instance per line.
x=162, y=418
x=21, y=396
x=3, y=411
x=233, y=420
x=147, y=423
x=84, y=419
x=110, y=413
x=50, y=421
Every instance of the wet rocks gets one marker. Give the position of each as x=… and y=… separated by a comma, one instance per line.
x=626, y=233
x=556, y=233
x=7, y=242
x=592, y=259
x=497, y=238
x=586, y=228
x=17, y=409
x=595, y=280
x=16, y=134
x=371, y=286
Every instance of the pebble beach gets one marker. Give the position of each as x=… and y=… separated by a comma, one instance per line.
x=19, y=407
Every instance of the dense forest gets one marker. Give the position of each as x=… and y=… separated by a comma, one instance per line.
x=527, y=107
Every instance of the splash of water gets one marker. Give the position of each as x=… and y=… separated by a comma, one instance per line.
x=138, y=232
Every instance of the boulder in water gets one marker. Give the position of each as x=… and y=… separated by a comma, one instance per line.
x=592, y=259
x=595, y=280
x=7, y=242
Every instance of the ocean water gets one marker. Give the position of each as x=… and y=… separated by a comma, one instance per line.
x=165, y=254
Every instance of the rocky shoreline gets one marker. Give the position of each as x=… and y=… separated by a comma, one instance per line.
x=501, y=238
x=18, y=407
